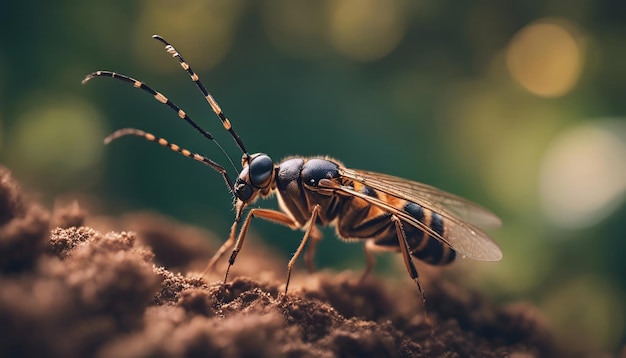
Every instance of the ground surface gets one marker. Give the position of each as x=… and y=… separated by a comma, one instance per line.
x=67, y=290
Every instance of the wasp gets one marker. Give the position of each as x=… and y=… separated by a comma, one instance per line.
x=388, y=213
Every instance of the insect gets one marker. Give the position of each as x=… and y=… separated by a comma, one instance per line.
x=388, y=213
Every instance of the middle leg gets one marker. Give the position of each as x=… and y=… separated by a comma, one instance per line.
x=305, y=238
x=316, y=235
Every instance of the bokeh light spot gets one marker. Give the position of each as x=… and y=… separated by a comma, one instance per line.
x=55, y=141
x=201, y=30
x=1, y=133
x=296, y=27
x=586, y=312
x=488, y=134
x=583, y=174
x=545, y=57
x=366, y=30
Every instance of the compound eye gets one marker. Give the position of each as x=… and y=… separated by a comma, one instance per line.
x=261, y=169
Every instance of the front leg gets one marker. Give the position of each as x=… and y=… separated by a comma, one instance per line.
x=269, y=215
x=220, y=252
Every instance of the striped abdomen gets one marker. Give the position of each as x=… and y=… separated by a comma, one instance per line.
x=359, y=219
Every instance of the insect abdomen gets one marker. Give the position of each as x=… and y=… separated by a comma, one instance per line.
x=426, y=247
x=361, y=220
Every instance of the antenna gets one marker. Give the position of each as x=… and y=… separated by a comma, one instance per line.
x=194, y=77
x=160, y=98
x=173, y=147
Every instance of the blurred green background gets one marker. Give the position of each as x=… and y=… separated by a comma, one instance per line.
x=517, y=105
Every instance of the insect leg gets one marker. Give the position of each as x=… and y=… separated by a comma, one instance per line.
x=370, y=248
x=404, y=247
x=305, y=238
x=369, y=258
x=406, y=255
x=269, y=215
x=220, y=252
x=316, y=235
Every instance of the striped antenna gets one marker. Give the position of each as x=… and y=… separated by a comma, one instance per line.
x=162, y=99
x=174, y=147
x=194, y=77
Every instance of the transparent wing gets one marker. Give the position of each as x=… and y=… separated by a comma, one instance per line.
x=425, y=195
x=460, y=216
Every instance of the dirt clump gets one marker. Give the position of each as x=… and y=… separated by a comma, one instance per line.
x=68, y=290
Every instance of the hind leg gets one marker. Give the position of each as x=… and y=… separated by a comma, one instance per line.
x=371, y=248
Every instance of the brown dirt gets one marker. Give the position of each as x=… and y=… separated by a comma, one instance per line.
x=67, y=290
